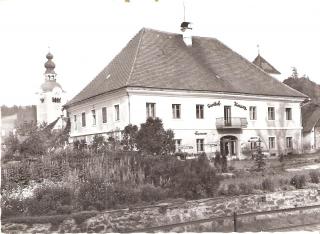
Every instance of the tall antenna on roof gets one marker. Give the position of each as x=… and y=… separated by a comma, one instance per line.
x=258, y=47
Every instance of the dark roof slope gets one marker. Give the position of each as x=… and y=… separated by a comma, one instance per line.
x=155, y=59
x=265, y=65
x=310, y=116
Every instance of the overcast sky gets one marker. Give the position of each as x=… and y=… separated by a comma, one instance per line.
x=84, y=35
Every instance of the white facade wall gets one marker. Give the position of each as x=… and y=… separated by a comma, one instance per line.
x=309, y=141
x=111, y=126
x=188, y=128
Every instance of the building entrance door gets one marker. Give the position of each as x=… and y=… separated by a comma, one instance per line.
x=228, y=145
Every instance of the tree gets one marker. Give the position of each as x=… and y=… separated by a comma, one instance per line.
x=217, y=161
x=98, y=143
x=259, y=159
x=294, y=74
x=129, y=137
x=152, y=138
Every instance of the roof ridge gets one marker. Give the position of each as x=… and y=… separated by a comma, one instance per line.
x=135, y=56
x=252, y=64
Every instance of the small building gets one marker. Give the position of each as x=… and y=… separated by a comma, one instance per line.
x=210, y=96
x=9, y=123
x=311, y=127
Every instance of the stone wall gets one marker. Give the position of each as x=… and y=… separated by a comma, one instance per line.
x=126, y=220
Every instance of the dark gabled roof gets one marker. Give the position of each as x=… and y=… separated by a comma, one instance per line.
x=310, y=116
x=155, y=59
x=265, y=65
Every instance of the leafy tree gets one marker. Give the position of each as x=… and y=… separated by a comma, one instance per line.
x=259, y=159
x=294, y=74
x=224, y=163
x=98, y=143
x=218, y=160
x=129, y=138
x=152, y=138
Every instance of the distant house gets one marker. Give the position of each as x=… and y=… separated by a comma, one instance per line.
x=210, y=96
x=24, y=114
x=311, y=127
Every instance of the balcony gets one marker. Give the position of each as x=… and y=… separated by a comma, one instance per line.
x=231, y=123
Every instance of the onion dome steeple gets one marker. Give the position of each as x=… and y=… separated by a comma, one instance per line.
x=49, y=65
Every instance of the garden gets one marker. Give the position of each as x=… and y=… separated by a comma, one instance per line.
x=80, y=180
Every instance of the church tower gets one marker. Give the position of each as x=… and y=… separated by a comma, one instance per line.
x=51, y=97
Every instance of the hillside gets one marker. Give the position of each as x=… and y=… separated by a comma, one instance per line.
x=305, y=86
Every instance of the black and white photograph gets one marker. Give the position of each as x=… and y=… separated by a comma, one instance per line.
x=160, y=116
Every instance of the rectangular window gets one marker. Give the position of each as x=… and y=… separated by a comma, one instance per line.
x=271, y=114
x=200, y=145
x=199, y=111
x=117, y=113
x=83, y=115
x=272, y=142
x=288, y=114
x=289, y=142
x=253, y=145
x=176, y=111
x=104, y=114
x=94, y=118
x=75, y=122
x=151, y=110
x=177, y=143
x=253, y=112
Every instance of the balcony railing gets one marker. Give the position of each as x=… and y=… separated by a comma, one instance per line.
x=234, y=122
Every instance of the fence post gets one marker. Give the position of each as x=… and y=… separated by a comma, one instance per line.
x=234, y=221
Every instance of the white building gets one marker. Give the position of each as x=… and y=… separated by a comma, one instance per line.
x=51, y=97
x=210, y=96
x=311, y=127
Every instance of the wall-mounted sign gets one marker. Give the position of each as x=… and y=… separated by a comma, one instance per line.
x=185, y=147
x=240, y=106
x=211, y=144
x=218, y=103
x=200, y=133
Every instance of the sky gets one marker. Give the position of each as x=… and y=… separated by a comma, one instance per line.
x=84, y=36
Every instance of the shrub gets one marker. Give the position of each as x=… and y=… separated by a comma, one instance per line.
x=151, y=193
x=232, y=190
x=217, y=160
x=11, y=206
x=246, y=188
x=46, y=200
x=267, y=185
x=123, y=194
x=64, y=209
x=193, y=179
x=314, y=176
x=298, y=181
x=94, y=192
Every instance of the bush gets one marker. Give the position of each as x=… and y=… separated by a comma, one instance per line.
x=314, y=176
x=11, y=207
x=267, y=185
x=246, y=189
x=232, y=190
x=46, y=200
x=94, y=192
x=193, y=179
x=123, y=194
x=298, y=181
x=150, y=193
